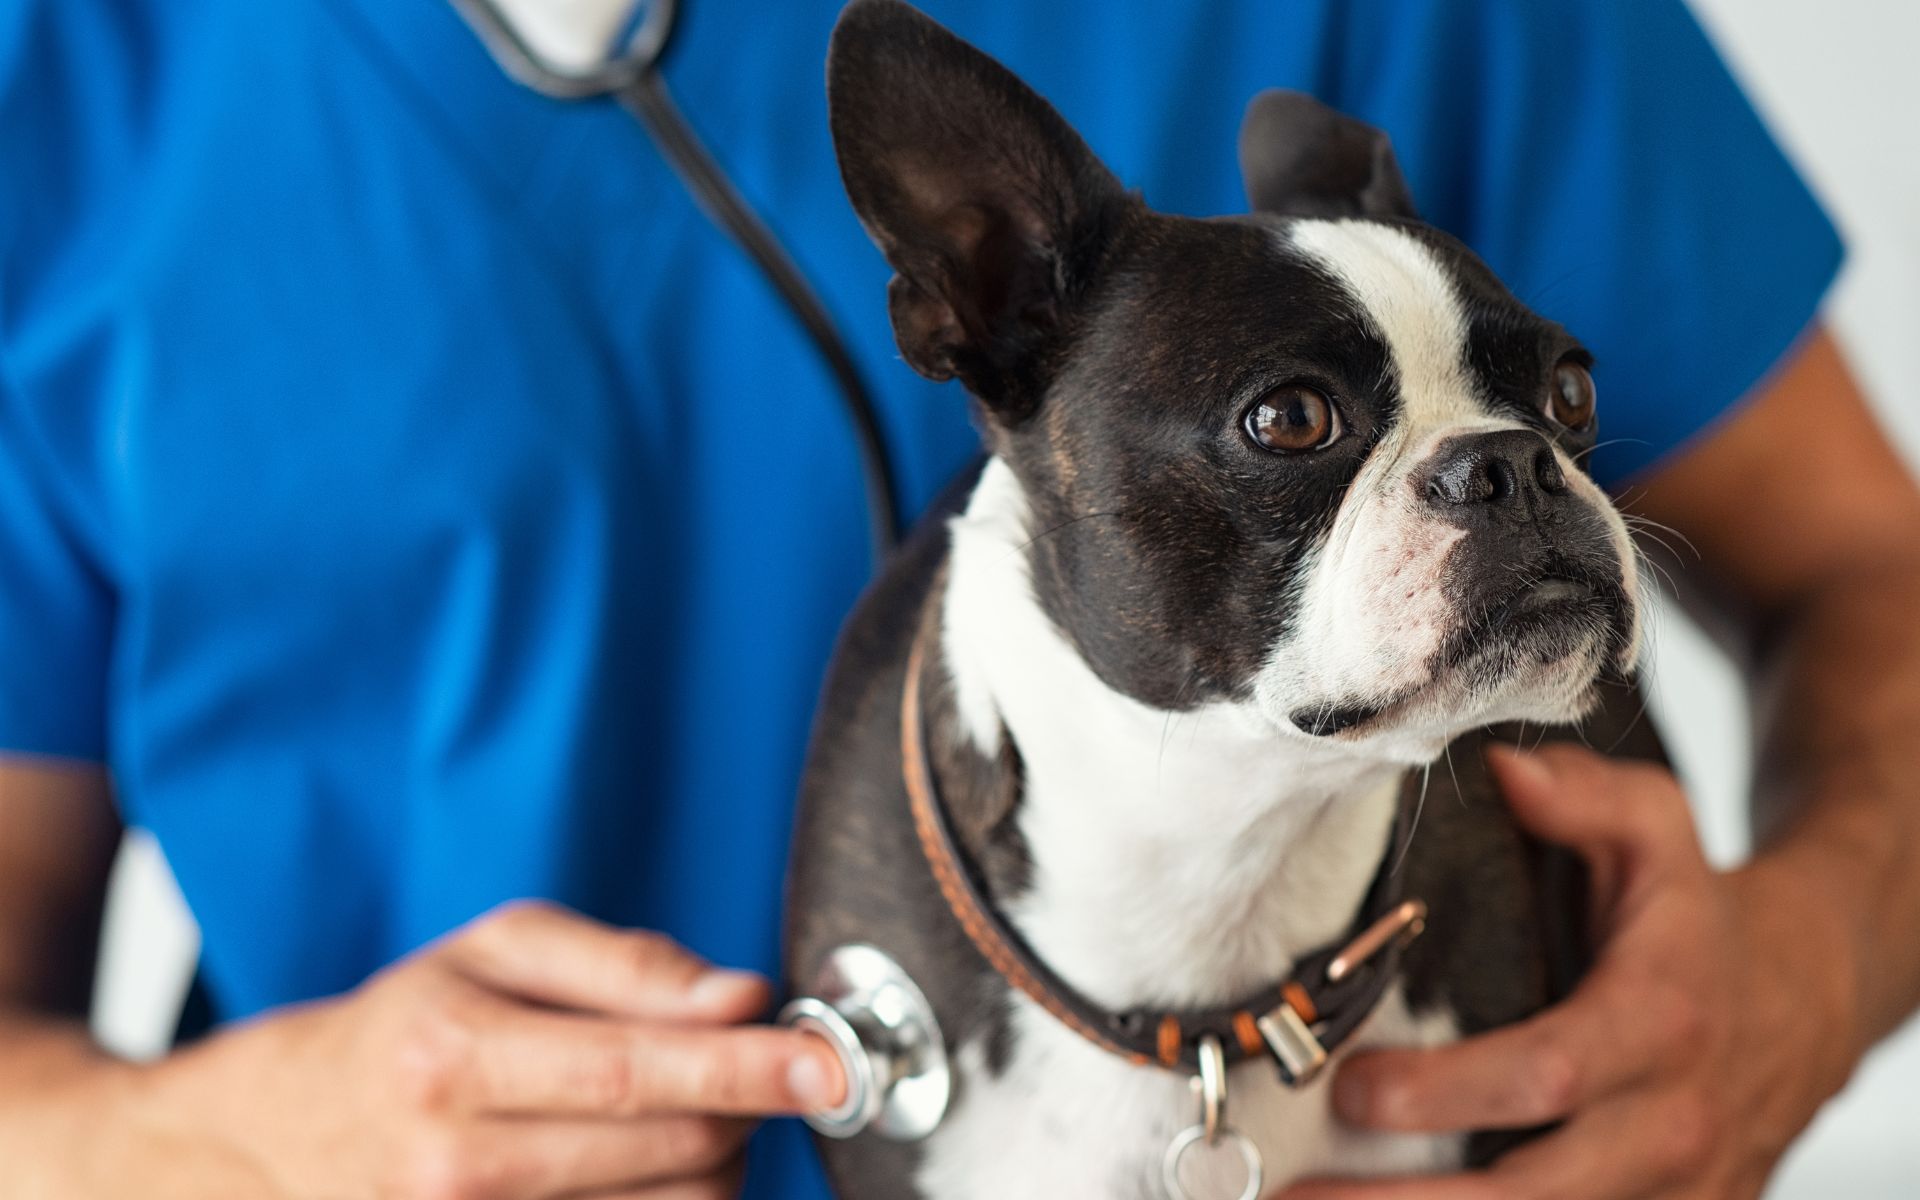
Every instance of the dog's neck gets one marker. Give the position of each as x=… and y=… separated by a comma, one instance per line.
x=1177, y=858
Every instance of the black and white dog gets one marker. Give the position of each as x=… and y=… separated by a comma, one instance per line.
x=1275, y=509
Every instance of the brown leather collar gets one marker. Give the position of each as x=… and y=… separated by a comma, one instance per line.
x=1298, y=1021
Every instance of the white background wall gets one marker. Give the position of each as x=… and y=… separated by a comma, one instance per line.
x=1837, y=81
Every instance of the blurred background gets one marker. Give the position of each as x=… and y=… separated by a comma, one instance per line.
x=1835, y=81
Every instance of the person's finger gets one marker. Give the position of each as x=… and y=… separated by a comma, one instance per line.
x=1411, y=1187
x=546, y=1160
x=1627, y=1147
x=543, y=1159
x=1573, y=797
x=523, y=1061
x=1611, y=1032
x=552, y=956
x=1624, y=1148
x=721, y=1185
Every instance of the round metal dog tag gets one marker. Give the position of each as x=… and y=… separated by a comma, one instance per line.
x=1196, y=1135
x=881, y=1026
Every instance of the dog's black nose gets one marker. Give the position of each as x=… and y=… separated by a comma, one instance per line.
x=1509, y=470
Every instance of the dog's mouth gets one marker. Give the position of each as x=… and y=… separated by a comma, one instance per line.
x=1545, y=618
x=1335, y=719
x=1552, y=615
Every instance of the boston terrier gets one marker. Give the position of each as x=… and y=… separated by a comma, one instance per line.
x=1123, y=758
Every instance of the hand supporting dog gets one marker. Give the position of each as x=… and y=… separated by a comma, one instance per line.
x=1651, y=1063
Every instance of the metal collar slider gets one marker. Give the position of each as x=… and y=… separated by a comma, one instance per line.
x=1295, y=1048
x=1407, y=921
x=1288, y=1029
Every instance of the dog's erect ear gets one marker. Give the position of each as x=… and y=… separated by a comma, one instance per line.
x=1300, y=158
x=988, y=205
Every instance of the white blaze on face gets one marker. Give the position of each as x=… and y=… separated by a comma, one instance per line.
x=1374, y=610
x=1407, y=295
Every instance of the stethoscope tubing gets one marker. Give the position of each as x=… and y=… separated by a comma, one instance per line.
x=635, y=81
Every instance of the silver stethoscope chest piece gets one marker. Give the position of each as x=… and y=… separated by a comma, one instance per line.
x=890, y=1048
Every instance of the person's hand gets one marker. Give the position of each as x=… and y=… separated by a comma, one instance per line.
x=1714, y=1023
x=533, y=1054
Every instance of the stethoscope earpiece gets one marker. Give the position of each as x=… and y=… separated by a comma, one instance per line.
x=888, y=1042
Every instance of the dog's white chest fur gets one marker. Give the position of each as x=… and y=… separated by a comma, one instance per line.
x=1179, y=860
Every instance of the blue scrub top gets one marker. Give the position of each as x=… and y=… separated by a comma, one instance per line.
x=417, y=504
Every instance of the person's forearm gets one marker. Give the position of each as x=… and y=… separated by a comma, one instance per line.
x=58, y=1090
x=78, y=1123
x=1837, y=791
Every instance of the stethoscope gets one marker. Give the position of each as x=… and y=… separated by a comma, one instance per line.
x=630, y=75
x=861, y=1001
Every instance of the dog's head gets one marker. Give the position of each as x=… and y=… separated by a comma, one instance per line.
x=1315, y=461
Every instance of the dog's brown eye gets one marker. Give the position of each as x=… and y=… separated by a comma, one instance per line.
x=1571, y=399
x=1292, y=419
